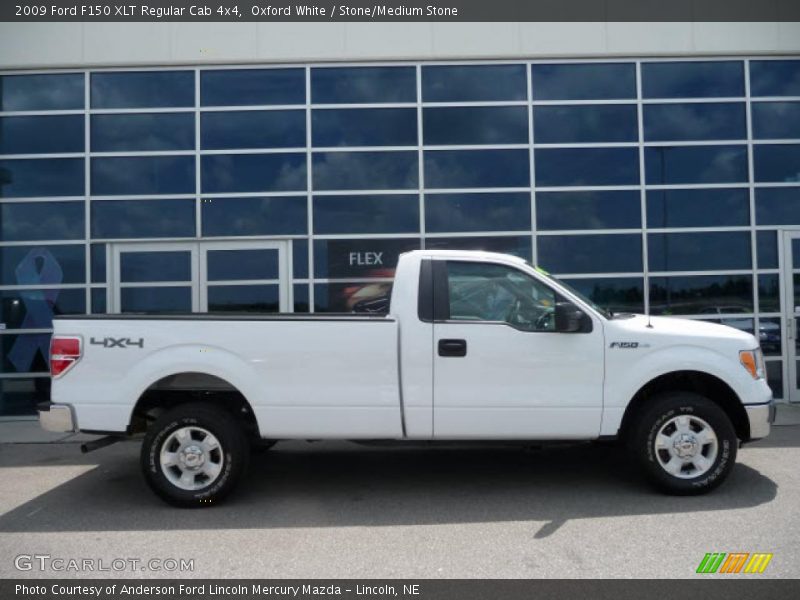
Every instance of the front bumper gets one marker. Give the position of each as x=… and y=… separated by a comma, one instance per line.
x=56, y=417
x=761, y=417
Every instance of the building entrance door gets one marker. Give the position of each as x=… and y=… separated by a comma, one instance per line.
x=791, y=308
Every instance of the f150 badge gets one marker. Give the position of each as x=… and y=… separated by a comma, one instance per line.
x=110, y=342
x=628, y=345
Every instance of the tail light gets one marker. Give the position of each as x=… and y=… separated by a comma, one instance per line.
x=64, y=352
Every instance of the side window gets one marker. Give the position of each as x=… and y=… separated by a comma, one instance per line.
x=496, y=293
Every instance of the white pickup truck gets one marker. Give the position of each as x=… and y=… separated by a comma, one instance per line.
x=475, y=346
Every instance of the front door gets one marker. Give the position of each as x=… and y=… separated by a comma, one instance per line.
x=791, y=285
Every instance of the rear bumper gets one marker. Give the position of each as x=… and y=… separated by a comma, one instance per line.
x=56, y=417
x=761, y=417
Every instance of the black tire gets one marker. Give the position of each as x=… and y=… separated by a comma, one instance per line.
x=658, y=413
x=232, y=454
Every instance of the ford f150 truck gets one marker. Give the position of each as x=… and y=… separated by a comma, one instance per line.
x=475, y=346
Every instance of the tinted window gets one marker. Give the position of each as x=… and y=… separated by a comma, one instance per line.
x=518, y=245
x=477, y=168
x=98, y=266
x=365, y=170
x=155, y=266
x=776, y=120
x=364, y=127
x=98, y=301
x=349, y=297
x=41, y=177
x=769, y=297
x=139, y=175
x=618, y=294
x=231, y=265
x=590, y=253
x=692, y=79
x=300, y=258
x=715, y=121
x=35, y=309
x=767, y=247
x=252, y=86
x=586, y=166
x=142, y=89
x=473, y=82
x=41, y=92
x=384, y=213
x=353, y=85
x=24, y=353
x=20, y=396
x=697, y=294
x=359, y=258
x=775, y=77
x=477, y=212
x=778, y=206
x=583, y=82
x=696, y=164
x=571, y=124
x=24, y=221
x=143, y=218
x=253, y=129
x=699, y=251
x=244, y=298
x=698, y=208
x=301, y=298
x=588, y=210
x=30, y=265
x=32, y=135
x=156, y=131
x=275, y=215
x=156, y=299
x=476, y=125
x=253, y=172
x=776, y=162
x=775, y=378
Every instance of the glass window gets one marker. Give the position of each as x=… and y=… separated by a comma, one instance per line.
x=41, y=177
x=696, y=164
x=143, y=218
x=619, y=294
x=706, y=251
x=374, y=258
x=28, y=221
x=240, y=87
x=383, y=213
x=99, y=301
x=300, y=258
x=776, y=120
x=588, y=210
x=698, y=208
x=677, y=122
x=496, y=293
x=233, y=265
x=35, y=309
x=41, y=135
x=364, y=127
x=137, y=267
x=156, y=299
x=692, y=79
x=154, y=131
x=574, y=124
x=775, y=378
x=275, y=215
x=356, y=297
x=696, y=294
x=518, y=245
x=477, y=212
x=33, y=265
x=477, y=168
x=778, y=206
x=98, y=256
x=140, y=175
x=253, y=129
x=463, y=83
x=476, y=125
x=253, y=172
x=20, y=396
x=594, y=81
x=301, y=298
x=769, y=336
x=365, y=170
x=142, y=89
x=591, y=253
x=769, y=293
x=41, y=92
x=356, y=85
x=586, y=166
x=776, y=162
x=775, y=77
x=24, y=353
x=767, y=246
x=244, y=298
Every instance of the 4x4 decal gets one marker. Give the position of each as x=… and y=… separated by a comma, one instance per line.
x=110, y=342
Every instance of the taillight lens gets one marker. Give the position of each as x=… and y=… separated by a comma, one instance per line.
x=64, y=352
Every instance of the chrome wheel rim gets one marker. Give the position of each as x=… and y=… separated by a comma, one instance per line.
x=191, y=458
x=686, y=446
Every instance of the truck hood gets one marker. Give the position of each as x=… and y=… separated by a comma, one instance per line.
x=677, y=330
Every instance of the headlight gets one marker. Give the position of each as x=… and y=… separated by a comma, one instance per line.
x=753, y=362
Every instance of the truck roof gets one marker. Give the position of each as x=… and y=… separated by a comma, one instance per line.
x=470, y=254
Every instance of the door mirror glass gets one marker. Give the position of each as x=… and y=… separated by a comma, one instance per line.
x=569, y=318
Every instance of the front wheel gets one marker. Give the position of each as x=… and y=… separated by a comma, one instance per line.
x=685, y=443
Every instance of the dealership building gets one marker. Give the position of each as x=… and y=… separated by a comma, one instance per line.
x=285, y=166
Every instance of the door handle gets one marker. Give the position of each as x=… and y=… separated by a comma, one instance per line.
x=452, y=347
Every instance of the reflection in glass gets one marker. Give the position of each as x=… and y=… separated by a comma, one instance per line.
x=609, y=253
x=223, y=173
x=518, y=245
x=232, y=265
x=696, y=164
x=618, y=294
x=583, y=81
x=154, y=131
x=143, y=218
x=10, y=346
x=41, y=134
x=769, y=293
x=275, y=215
x=475, y=125
x=41, y=92
x=244, y=298
x=155, y=266
x=364, y=127
x=693, y=79
x=591, y=124
x=464, y=83
x=776, y=162
x=776, y=120
x=140, y=175
x=477, y=168
x=28, y=221
x=359, y=258
x=775, y=378
x=98, y=266
x=35, y=309
x=778, y=206
x=238, y=87
x=365, y=170
x=706, y=251
x=767, y=246
x=20, y=396
x=253, y=129
x=301, y=298
x=70, y=260
x=300, y=258
x=588, y=210
x=477, y=212
x=357, y=297
x=142, y=89
x=695, y=121
x=586, y=166
x=156, y=299
x=26, y=178
x=99, y=301
x=693, y=294
x=380, y=213
x=353, y=85
x=775, y=77
x=698, y=208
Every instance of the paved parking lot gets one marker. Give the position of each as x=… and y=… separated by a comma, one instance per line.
x=342, y=510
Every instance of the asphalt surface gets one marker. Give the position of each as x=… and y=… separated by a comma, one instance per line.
x=343, y=510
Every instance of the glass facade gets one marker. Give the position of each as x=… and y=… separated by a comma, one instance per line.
x=648, y=184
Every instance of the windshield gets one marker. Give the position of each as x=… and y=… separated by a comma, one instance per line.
x=605, y=312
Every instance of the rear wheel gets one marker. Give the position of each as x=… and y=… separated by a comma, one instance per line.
x=685, y=443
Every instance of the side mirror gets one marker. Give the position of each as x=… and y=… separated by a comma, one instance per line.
x=569, y=318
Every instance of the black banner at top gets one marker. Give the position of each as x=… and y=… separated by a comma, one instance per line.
x=399, y=10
